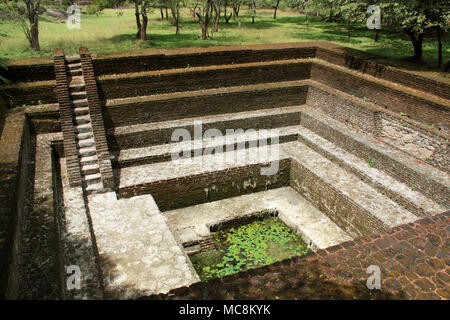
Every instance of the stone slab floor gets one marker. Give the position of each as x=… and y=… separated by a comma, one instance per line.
x=137, y=250
x=317, y=230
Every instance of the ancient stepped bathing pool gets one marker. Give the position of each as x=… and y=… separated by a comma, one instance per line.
x=281, y=171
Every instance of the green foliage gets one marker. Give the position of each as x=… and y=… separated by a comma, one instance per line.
x=371, y=163
x=249, y=246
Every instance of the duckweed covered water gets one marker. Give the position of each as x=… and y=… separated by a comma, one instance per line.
x=248, y=246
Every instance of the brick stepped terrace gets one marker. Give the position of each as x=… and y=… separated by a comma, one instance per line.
x=341, y=153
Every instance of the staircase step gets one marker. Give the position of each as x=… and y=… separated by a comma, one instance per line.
x=83, y=128
x=87, y=151
x=398, y=191
x=89, y=169
x=77, y=87
x=160, y=153
x=80, y=103
x=73, y=58
x=76, y=81
x=85, y=135
x=76, y=95
x=75, y=72
x=82, y=119
x=88, y=160
x=86, y=143
x=355, y=206
x=94, y=188
x=429, y=181
x=207, y=178
x=79, y=111
x=248, y=97
x=158, y=133
x=92, y=178
x=74, y=65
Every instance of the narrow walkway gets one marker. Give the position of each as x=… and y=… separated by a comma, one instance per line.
x=190, y=224
x=138, y=253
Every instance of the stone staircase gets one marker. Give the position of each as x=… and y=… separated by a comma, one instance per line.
x=87, y=154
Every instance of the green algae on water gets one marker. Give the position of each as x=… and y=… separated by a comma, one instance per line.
x=252, y=245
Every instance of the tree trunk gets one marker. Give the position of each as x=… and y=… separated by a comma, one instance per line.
x=349, y=29
x=275, y=9
x=32, y=33
x=138, y=20
x=167, y=14
x=439, y=38
x=236, y=9
x=176, y=17
x=162, y=13
x=417, y=41
x=227, y=19
x=34, y=41
x=203, y=19
x=144, y=21
x=216, y=16
x=377, y=35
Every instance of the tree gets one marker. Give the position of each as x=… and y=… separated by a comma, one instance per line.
x=252, y=6
x=415, y=17
x=26, y=14
x=140, y=12
x=227, y=18
x=204, y=13
x=216, y=4
x=175, y=10
x=236, y=4
x=352, y=11
x=275, y=8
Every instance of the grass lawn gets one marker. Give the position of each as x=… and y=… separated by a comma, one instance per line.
x=110, y=32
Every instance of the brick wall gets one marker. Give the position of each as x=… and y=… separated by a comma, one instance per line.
x=14, y=147
x=425, y=143
x=194, y=57
x=424, y=184
x=178, y=106
x=414, y=107
x=149, y=136
x=349, y=216
x=31, y=93
x=95, y=111
x=27, y=70
x=191, y=190
x=345, y=57
x=41, y=69
x=350, y=113
x=200, y=78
